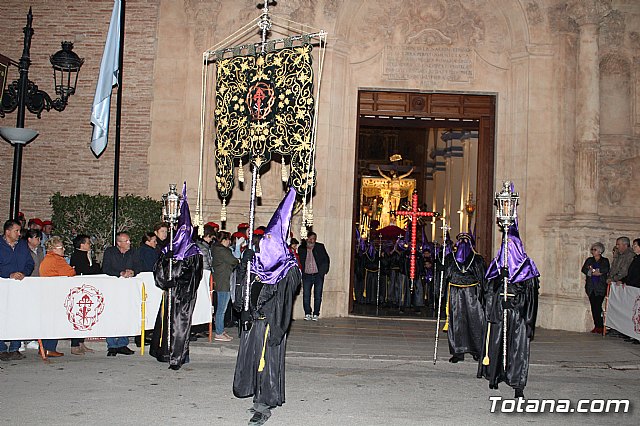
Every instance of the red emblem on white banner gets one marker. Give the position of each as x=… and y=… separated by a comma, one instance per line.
x=636, y=316
x=84, y=305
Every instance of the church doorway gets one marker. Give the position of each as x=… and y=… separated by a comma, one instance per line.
x=442, y=146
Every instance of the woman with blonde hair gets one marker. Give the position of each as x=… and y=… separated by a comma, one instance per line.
x=54, y=265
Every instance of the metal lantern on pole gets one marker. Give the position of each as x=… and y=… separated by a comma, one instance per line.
x=506, y=202
x=24, y=95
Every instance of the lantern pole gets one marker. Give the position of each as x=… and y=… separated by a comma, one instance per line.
x=506, y=202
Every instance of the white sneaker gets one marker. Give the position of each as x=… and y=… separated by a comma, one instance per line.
x=315, y=318
x=22, y=347
x=307, y=317
x=33, y=345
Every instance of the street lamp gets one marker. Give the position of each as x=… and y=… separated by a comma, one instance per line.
x=23, y=94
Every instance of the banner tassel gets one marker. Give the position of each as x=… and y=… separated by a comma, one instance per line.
x=223, y=211
x=240, y=173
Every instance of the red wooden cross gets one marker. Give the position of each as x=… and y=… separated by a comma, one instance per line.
x=414, y=213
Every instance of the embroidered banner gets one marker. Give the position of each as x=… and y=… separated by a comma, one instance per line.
x=84, y=306
x=265, y=105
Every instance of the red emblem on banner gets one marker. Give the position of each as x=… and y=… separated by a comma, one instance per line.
x=260, y=99
x=636, y=316
x=84, y=305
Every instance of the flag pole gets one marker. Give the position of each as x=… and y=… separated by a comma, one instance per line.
x=116, y=161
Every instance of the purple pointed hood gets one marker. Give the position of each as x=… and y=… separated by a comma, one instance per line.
x=275, y=259
x=183, y=245
x=464, y=247
x=520, y=266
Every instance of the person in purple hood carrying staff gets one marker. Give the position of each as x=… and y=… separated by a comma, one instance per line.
x=170, y=342
x=522, y=310
x=274, y=280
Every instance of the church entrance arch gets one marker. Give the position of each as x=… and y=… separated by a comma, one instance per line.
x=438, y=144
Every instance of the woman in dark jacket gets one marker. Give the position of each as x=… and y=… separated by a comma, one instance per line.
x=596, y=269
x=223, y=263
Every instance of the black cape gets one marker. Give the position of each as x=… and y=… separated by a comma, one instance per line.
x=522, y=310
x=260, y=365
x=183, y=282
x=466, y=321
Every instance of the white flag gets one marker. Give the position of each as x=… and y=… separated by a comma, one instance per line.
x=106, y=80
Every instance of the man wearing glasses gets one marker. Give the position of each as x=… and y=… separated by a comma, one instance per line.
x=118, y=262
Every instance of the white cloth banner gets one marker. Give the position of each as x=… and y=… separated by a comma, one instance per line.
x=623, y=310
x=84, y=306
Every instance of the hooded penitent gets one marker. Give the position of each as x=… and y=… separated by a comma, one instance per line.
x=179, y=273
x=274, y=259
x=183, y=245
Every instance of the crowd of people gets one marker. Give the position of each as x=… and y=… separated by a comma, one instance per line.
x=30, y=249
x=624, y=268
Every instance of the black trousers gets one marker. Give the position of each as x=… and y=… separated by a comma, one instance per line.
x=596, y=309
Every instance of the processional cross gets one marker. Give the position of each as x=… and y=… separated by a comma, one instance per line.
x=414, y=214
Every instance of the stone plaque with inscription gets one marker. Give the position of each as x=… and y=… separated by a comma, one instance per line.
x=428, y=63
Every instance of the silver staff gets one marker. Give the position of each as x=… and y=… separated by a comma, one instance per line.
x=444, y=228
x=170, y=214
x=506, y=202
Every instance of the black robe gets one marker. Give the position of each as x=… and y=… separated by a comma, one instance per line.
x=466, y=320
x=183, y=282
x=265, y=342
x=522, y=309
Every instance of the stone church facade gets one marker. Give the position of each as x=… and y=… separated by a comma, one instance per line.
x=565, y=75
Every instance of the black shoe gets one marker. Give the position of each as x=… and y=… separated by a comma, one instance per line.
x=456, y=358
x=258, y=419
x=112, y=352
x=475, y=357
x=136, y=340
x=124, y=350
x=193, y=338
x=519, y=393
x=174, y=367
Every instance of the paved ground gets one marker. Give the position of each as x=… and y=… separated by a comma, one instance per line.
x=348, y=371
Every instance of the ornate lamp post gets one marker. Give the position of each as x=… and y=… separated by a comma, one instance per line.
x=506, y=202
x=23, y=94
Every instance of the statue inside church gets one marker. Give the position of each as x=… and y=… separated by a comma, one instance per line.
x=395, y=186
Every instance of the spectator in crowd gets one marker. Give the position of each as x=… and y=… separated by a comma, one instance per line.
x=35, y=223
x=22, y=220
x=238, y=244
x=596, y=270
x=118, y=261
x=161, y=229
x=81, y=258
x=633, y=277
x=47, y=229
x=33, y=237
x=242, y=228
x=293, y=248
x=214, y=225
x=204, y=244
x=54, y=265
x=84, y=264
x=315, y=262
x=146, y=255
x=621, y=262
x=15, y=263
x=223, y=264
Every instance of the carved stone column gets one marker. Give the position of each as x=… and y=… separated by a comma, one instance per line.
x=588, y=14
